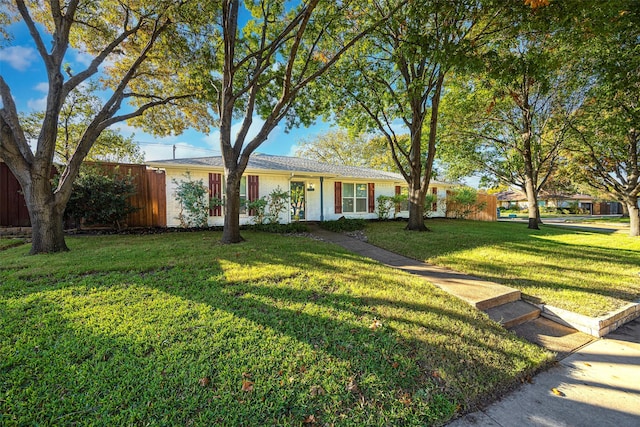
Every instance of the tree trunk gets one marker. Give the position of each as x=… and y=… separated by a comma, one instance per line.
x=532, y=204
x=634, y=216
x=625, y=210
x=47, y=229
x=538, y=217
x=416, y=210
x=46, y=214
x=231, y=230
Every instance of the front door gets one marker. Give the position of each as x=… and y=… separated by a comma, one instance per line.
x=297, y=201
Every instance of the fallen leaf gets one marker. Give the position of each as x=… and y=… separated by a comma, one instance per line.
x=352, y=385
x=303, y=369
x=395, y=365
x=246, y=375
x=588, y=364
x=557, y=392
x=247, y=385
x=204, y=381
x=405, y=399
x=316, y=390
x=375, y=325
x=311, y=419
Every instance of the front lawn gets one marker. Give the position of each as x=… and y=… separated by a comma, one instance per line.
x=585, y=272
x=177, y=329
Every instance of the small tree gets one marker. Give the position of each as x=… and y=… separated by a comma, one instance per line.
x=278, y=200
x=385, y=205
x=192, y=197
x=257, y=209
x=100, y=199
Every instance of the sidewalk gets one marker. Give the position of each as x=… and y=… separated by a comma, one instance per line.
x=597, y=382
x=598, y=385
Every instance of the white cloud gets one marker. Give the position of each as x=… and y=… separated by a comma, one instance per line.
x=39, y=104
x=18, y=57
x=83, y=58
x=42, y=87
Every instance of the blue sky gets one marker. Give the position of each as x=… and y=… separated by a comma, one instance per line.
x=23, y=69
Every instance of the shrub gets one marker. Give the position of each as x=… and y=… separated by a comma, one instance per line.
x=257, y=209
x=344, y=224
x=274, y=227
x=278, y=201
x=100, y=199
x=387, y=204
x=192, y=197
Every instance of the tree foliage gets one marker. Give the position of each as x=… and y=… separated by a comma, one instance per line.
x=264, y=58
x=510, y=121
x=606, y=149
x=397, y=77
x=135, y=47
x=340, y=147
x=78, y=109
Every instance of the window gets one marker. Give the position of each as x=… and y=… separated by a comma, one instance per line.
x=404, y=205
x=354, y=197
x=243, y=195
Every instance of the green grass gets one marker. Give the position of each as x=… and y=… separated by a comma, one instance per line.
x=10, y=242
x=585, y=272
x=606, y=220
x=166, y=330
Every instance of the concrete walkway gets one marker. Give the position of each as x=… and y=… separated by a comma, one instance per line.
x=598, y=385
x=596, y=382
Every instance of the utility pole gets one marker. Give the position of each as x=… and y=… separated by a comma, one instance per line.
x=174, y=151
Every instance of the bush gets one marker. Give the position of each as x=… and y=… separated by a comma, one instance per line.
x=194, y=206
x=344, y=224
x=100, y=199
x=274, y=227
x=387, y=204
x=278, y=201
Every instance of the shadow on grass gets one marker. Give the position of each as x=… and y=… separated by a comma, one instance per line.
x=130, y=347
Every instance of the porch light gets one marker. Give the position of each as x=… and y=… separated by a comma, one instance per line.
x=311, y=187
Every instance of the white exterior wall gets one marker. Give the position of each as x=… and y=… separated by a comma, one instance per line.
x=269, y=182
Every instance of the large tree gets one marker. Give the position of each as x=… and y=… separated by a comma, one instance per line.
x=510, y=122
x=340, y=147
x=396, y=80
x=78, y=109
x=131, y=44
x=606, y=152
x=267, y=56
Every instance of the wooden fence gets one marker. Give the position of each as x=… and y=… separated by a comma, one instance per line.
x=150, y=196
x=488, y=213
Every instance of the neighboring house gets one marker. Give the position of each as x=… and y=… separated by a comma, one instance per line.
x=324, y=192
x=518, y=200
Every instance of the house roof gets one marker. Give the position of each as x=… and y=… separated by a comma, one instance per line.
x=296, y=165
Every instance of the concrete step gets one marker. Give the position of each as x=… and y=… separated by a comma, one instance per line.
x=513, y=313
x=493, y=295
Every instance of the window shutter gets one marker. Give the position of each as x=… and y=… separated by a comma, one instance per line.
x=398, y=192
x=434, y=205
x=338, y=197
x=372, y=197
x=215, y=191
x=253, y=185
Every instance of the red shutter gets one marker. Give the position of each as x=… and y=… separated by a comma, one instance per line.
x=215, y=191
x=434, y=205
x=253, y=185
x=372, y=197
x=398, y=192
x=338, y=197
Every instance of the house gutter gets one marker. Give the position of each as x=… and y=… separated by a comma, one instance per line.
x=322, y=199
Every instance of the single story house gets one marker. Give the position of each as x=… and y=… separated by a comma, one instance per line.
x=322, y=191
x=513, y=199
